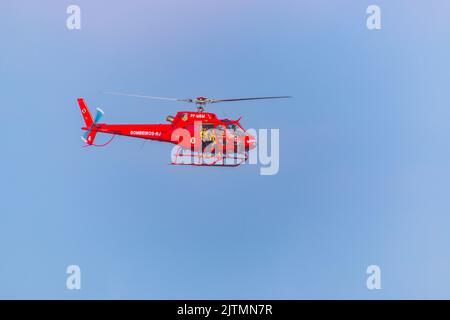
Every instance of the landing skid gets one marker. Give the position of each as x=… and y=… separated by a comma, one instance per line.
x=192, y=158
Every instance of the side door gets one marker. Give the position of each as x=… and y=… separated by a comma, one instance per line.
x=207, y=134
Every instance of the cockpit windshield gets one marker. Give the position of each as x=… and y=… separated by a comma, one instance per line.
x=235, y=129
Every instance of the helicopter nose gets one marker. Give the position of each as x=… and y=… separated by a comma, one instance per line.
x=250, y=142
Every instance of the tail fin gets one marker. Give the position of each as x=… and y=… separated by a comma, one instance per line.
x=91, y=132
x=85, y=113
x=89, y=136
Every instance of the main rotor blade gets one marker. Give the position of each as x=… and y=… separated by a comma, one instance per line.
x=243, y=99
x=147, y=97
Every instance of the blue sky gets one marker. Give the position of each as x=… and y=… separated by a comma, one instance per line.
x=364, y=151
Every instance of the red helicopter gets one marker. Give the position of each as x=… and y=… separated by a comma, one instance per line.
x=202, y=138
